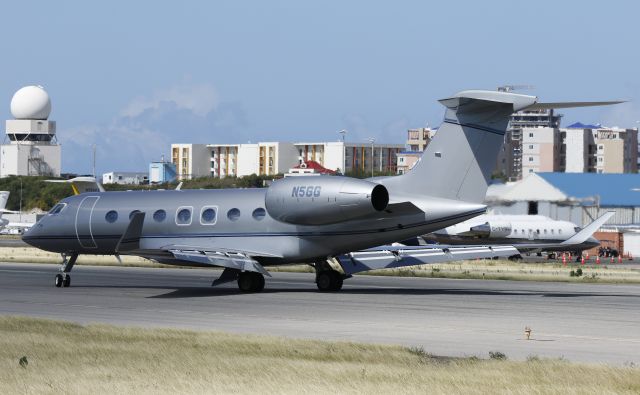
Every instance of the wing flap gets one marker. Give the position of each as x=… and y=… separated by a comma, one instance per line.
x=394, y=257
x=229, y=259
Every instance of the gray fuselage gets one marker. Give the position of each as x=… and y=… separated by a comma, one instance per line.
x=84, y=225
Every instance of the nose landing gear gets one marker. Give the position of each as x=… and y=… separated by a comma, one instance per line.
x=63, y=279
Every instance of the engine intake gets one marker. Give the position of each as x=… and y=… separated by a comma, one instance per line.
x=322, y=200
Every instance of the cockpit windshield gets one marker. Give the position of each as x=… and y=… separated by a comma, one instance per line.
x=57, y=208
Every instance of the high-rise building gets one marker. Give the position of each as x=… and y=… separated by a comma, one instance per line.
x=510, y=160
x=580, y=148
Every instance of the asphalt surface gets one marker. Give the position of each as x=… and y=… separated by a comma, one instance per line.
x=580, y=322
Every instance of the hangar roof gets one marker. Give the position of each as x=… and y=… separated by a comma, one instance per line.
x=609, y=189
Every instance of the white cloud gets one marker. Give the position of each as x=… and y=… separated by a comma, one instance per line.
x=147, y=127
x=199, y=99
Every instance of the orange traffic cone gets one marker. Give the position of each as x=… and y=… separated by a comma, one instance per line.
x=564, y=259
x=587, y=258
x=612, y=261
x=598, y=260
x=582, y=261
x=619, y=258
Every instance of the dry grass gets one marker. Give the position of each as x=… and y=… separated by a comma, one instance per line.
x=507, y=270
x=69, y=358
x=34, y=255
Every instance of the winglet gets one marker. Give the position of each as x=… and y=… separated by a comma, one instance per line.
x=130, y=240
x=589, y=230
x=82, y=184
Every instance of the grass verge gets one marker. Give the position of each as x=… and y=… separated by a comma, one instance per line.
x=63, y=357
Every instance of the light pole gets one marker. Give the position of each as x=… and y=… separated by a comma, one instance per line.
x=372, y=140
x=343, y=132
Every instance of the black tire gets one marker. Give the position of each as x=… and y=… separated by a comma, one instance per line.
x=250, y=282
x=329, y=280
x=258, y=282
x=324, y=281
x=338, y=280
x=245, y=282
x=59, y=280
x=67, y=281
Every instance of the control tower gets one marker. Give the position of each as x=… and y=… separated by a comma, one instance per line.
x=32, y=149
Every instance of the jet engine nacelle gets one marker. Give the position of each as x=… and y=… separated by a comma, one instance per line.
x=321, y=200
x=492, y=229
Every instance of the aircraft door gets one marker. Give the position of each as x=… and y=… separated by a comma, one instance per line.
x=83, y=222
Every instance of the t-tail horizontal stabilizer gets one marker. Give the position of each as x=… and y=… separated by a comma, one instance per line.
x=394, y=257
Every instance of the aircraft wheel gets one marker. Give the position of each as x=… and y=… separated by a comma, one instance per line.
x=67, y=281
x=329, y=280
x=59, y=280
x=250, y=282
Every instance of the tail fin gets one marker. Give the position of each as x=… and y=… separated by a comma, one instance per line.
x=589, y=230
x=458, y=162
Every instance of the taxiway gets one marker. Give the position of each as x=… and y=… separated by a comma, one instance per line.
x=580, y=322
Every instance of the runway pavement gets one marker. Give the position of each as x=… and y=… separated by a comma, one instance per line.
x=580, y=322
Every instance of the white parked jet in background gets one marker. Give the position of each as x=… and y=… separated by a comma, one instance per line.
x=7, y=226
x=528, y=233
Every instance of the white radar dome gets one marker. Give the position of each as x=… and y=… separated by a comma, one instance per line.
x=31, y=102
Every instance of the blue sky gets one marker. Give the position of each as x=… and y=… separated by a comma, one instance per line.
x=133, y=77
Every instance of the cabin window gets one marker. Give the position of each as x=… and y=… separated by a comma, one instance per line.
x=259, y=214
x=159, y=215
x=111, y=216
x=233, y=214
x=545, y=231
x=559, y=231
x=57, y=208
x=552, y=231
x=209, y=215
x=183, y=216
x=131, y=214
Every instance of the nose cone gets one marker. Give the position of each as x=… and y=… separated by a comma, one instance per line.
x=30, y=236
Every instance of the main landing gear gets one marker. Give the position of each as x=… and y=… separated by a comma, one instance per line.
x=327, y=278
x=250, y=282
x=63, y=279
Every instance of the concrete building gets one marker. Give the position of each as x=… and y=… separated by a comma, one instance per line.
x=348, y=157
x=309, y=168
x=418, y=139
x=161, y=172
x=191, y=160
x=271, y=158
x=579, y=148
x=406, y=160
x=541, y=150
x=32, y=149
x=510, y=160
x=125, y=178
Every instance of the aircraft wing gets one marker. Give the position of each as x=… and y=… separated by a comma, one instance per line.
x=223, y=257
x=387, y=257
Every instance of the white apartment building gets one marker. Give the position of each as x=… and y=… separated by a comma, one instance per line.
x=271, y=158
x=191, y=160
